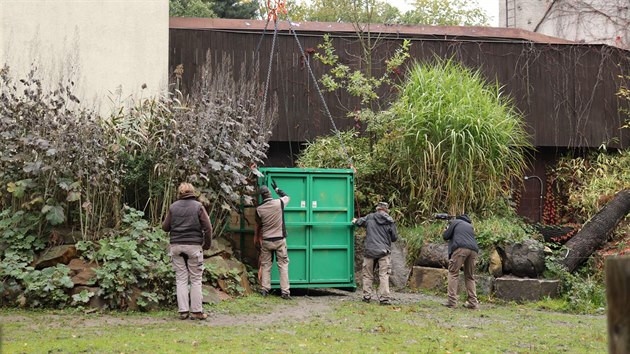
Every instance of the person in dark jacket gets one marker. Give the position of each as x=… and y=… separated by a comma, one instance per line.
x=462, y=250
x=190, y=233
x=380, y=233
x=271, y=233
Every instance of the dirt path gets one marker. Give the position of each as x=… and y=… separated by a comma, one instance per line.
x=305, y=304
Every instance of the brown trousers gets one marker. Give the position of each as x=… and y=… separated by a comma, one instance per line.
x=466, y=257
x=282, y=259
x=185, y=274
x=384, y=270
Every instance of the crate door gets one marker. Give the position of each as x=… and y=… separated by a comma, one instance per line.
x=295, y=217
x=332, y=252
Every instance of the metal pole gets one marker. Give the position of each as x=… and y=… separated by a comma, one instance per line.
x=540, y=202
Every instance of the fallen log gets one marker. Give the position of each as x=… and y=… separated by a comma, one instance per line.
x=596, y=231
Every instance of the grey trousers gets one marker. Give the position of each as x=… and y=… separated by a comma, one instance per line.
x=282, y=258
x=384, y=270
x=466, y=257
x=184, y=275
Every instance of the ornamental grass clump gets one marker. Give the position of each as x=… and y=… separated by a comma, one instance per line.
x=455, y=140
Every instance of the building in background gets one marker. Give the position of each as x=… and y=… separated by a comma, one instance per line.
x=110, y=49
x=584, y=21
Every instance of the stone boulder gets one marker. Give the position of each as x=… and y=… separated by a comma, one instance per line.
x=211, y=295
x=82, y=273
x=96, y=300
x=55, y=255
x=428, y=278
x=496, y=265
x=525, y=259
x=484, y=284
x=400, y=270
x=220, y=246
x=433, y=255
x=525, y=289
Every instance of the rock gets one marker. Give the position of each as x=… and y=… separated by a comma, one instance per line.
x=11, y=290
x=235, y=265
x=525, y=289
x=428, y=278
x=433, y=255
x=245, y=284
x=496, y=266
x=134, y=305
x=223, y=285
x=96, y=300
x=212, y=295
x=484, y=284
x=220, y=246
x=217, y=266
x=85, y=277
x=400, y=271
x=526, y=259
x=82, y=272
x=55, y=255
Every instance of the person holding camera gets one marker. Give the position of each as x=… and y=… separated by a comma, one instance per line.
x=462, y=250
x=380, y=233
x=273, y=233
x=190, y=234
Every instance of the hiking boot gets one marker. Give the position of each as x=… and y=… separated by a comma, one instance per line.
x=385, y=302
x=264, y=293
x=184, y=315
x=286, y=296
x=470, y=306
x=199, y=316
x=449, y=305
x=366, y=300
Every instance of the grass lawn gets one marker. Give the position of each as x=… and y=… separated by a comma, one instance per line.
x=322, y=324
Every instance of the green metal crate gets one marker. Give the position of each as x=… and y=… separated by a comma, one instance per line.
x=318, y=218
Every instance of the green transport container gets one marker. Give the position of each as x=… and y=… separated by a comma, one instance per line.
x=318, y=218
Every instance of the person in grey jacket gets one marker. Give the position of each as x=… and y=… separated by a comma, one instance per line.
x=462, y=250
x=380, y=233
x=190, y=233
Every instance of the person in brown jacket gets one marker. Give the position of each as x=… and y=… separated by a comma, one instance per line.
x=190, y=233
x=272, y=231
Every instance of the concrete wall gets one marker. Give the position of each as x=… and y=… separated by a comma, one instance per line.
x=588, y=21
x=109, y=48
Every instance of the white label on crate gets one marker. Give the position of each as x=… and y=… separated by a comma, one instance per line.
x=314, y=204
x=303, y=204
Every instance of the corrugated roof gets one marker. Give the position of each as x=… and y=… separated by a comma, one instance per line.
x=480, y=33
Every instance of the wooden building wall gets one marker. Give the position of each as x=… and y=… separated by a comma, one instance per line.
x=566, y=92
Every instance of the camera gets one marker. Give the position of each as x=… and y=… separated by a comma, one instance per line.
x=444, y=216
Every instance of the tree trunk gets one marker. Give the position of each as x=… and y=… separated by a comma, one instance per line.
x=617, y=290
x=595, y=232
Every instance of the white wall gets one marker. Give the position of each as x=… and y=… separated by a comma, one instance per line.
x=105, y=46
x=589, y=21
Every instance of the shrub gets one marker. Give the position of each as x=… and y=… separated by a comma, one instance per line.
x=450, y=142
x=131, y=259
x=455, y=140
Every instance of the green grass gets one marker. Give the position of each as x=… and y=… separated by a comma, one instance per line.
x=344, y=326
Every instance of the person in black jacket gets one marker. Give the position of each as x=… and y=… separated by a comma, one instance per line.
x=380, y=233
x=190, y=233
x=462, y=250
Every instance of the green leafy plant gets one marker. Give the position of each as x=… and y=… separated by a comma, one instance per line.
x=357, y=82
x=132, y=260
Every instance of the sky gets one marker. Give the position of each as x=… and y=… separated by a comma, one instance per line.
x=491, y=7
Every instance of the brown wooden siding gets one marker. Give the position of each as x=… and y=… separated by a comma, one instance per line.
x=565, y=91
